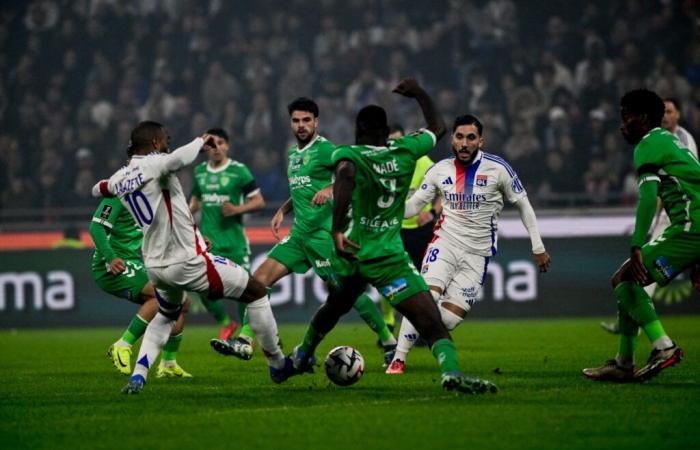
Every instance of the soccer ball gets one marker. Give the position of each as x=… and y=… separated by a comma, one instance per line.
x=344, y=365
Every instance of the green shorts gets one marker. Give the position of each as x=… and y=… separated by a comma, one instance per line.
x=127, y=285
x=300, y=253
x=394, y=276
x=670, y=254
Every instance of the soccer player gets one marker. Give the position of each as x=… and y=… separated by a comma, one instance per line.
x=118, y=270
x=669, y=122
x=417, y=231
x=224, y=190
x=309, y=245
x=372, y=178
x=472, y=187
x=174, y=251
x=666, y=168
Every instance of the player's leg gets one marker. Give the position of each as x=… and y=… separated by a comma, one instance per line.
x=168, y=366
x=339, y=301
x=268, y=273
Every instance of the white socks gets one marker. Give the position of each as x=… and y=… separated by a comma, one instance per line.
x=265, y=327
x=408, y=336
x=157, y=334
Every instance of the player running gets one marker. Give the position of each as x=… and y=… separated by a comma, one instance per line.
x=472, y=187
x=666, y=168
x=309, y=245
x=174, y=251
x=118, y=270
x=372, y=178
x=224, y=190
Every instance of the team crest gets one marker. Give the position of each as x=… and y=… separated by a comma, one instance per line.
x=306, y=158
x=224, y=181
x=482, y=180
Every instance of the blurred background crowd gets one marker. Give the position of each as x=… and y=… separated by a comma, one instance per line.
x=545, y=78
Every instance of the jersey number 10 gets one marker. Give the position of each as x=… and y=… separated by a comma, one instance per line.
x=140, y=208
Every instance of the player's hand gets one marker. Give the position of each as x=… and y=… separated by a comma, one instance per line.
x=208, y=243
x=117, y=266
x=424, y=217
x=276, y=222
x=637, y=268
x=343, y=245
x=208, y=142
x=322, y=196
x=408, y=87
x=695, y=276
x=228, y=209
x=543, y=261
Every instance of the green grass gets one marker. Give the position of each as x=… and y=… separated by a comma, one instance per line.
x=58, y=390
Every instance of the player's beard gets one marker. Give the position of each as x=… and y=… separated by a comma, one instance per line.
x=303, y=142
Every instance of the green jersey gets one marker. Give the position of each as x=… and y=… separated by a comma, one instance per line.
x=232, y=183
x=661, y=157
x=382, y=181
x=123, y=237
x=309, y=170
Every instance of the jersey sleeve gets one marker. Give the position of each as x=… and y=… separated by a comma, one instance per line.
x=647, y=161
x=423, y=195
x=248, y=185
x=325, y=155
x=196, y=191
x=419, y=143
x=107, y=212
x=509, y=184
x=342, y=152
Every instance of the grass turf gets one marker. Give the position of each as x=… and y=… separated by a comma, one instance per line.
x=58, y=390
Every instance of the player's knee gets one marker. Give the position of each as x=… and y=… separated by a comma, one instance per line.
x=171, y=313
x=253, y=291
x=449, y=317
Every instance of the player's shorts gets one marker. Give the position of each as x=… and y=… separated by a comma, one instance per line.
x=127, y=285
x=207, y=275
x=394, y=276
x=670, y=254
x=242, y=259
x=299, y=253
x=457, y=273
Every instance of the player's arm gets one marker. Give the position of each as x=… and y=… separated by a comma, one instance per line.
x=527, y=215
x=424, y=195
x=278, y=218
x=254, y=201
x=409, y=87
x=321, y=197
x=342, y=196
x=103, y=220
x=195, y=205
x=185, y=155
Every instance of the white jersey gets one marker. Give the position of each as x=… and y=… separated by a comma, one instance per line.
x=472, y=199
x=687, y=139
x=151, y=191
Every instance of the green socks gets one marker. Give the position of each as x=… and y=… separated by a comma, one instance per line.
x=446, y=355
x=216, y=308
x=311, y=340
x=370, y=314
x=136, y=329
x=171, y=347
x=389, y=312
x=632, y=300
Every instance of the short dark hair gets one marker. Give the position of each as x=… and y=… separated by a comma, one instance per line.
x=220, y=132
x=303, y=104
x=675, y=102
x=372, y=120
x=396, y=128
x=143, y=134
x=468, y=119
x=644, y=101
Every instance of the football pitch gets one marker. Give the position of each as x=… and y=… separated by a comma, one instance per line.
x=58, y=390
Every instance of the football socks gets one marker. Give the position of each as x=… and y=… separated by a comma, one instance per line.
x=370, y=314
x=446, y=355
x=170, y=349
x=136, y=329
x=155, y=337
x=265, y=328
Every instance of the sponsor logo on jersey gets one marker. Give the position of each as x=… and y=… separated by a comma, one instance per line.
x=217, y=199
x=299, y=181
x=386, y=167
x=322, y=263
x=469, y=294
x=106, y=211
x=378, y=223
x=462, y=201
x=394, y=288
x=213, y=178
x=664, y=269
x=295, y=164
x=482, y=180
x=447, y=181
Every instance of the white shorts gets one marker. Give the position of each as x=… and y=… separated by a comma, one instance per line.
x=457, y=273
x=208, y=275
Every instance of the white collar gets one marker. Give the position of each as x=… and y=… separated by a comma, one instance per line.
x=210, y=169
x=311, y=142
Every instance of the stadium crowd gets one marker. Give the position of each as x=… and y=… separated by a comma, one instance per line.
x=544, y=77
